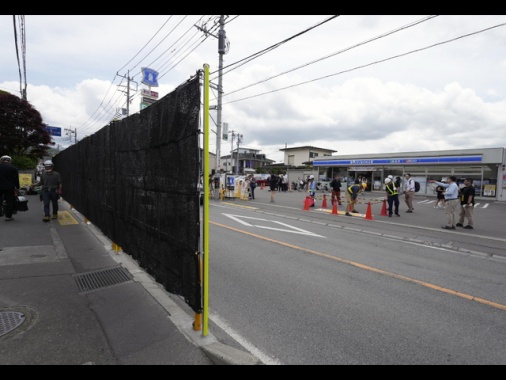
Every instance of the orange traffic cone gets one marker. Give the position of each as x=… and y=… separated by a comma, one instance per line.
x=368, y=214
x=334, y=209
x=307, y=202
x=384, y=208
x=324, y=202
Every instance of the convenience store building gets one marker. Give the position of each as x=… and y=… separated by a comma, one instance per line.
x=485, y=166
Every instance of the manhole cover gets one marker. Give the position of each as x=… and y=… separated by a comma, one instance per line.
x=10, y=320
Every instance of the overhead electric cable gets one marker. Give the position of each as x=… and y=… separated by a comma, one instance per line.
x=369, y=64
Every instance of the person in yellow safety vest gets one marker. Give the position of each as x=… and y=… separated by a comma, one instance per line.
x=392, y=197
x=352, y=196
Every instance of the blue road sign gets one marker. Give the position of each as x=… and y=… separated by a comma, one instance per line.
x=53, y=131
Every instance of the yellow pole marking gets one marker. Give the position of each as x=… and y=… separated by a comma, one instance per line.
x=372, y=269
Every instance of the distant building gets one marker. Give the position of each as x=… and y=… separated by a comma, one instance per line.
x=301, y=155
x=244, y=161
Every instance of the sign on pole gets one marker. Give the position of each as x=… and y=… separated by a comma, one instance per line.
x=53, y=131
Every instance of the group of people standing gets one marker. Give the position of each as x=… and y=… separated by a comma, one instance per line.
x=453, y=195
x=448, y=194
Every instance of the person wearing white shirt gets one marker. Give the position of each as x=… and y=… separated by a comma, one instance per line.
x=451, y=194
x=409, y=192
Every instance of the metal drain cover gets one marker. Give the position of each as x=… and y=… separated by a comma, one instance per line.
x=101, y=278
x=10, y=320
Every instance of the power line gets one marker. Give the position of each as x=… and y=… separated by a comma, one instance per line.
x=368, y=64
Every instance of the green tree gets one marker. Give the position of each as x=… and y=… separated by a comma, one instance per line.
x=22, y=131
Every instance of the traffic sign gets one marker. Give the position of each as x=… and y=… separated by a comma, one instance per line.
x=53, y=131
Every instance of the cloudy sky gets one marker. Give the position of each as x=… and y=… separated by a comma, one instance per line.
x=351, y=83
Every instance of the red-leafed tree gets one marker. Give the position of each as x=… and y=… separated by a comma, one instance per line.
x=22, y=131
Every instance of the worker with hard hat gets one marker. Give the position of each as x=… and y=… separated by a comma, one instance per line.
x=51, y=183
x=352, y=196
x=392, y=196
x=9, y=186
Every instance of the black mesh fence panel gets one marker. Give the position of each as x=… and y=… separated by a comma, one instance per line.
x=136, y=180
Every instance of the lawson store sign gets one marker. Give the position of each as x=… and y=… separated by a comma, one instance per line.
x=403, y=161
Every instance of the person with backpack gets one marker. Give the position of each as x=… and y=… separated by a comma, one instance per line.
x=409, y=192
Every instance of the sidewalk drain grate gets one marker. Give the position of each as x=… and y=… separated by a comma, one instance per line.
x=101, y=278
x=9, y=320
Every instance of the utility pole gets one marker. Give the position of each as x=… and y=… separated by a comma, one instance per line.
x=239, y=140
x=232, y=153
x=127, y=92
x=222, y=49
x=69, y=133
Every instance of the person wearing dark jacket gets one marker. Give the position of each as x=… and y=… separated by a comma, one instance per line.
x=51, y=189
x=273, y=184
x=467, y=194
x=9, y=185
x=392, y=197
x=336, y=189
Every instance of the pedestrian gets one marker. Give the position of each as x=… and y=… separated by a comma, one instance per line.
x=352, y=196
x=336, y=189
x=392, y=197
x=252, y=185
x=9, y=186
x=451, y=195
x=440, y=197
x=409, y=192
x=273, y=184
x=311, y=185
x=398, y=185
x=467, y=194
x=51, y=183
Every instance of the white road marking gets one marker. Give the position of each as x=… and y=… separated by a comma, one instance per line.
x=290, y=229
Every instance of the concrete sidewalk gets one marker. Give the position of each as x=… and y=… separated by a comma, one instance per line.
x=67, y=298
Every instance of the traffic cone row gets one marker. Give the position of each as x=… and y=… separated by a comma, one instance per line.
x=308, y=201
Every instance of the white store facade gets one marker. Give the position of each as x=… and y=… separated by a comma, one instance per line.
x=487, y=168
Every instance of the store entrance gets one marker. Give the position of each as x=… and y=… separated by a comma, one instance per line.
x=362, y=176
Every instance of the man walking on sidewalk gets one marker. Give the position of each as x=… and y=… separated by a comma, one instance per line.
x=51, y=189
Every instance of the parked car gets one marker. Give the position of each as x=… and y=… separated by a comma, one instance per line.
x=262, y=179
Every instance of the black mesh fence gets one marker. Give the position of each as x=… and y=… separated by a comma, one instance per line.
x=136, y=180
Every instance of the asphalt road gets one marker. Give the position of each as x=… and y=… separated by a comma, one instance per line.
x=296, y=286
